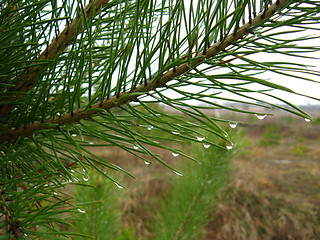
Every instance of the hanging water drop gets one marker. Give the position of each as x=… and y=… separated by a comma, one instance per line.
x=90, y=143
x=146, y=162
x=81, y=210
x=135, y=147
x=307, y=119
x=150, y=128
x=229, y=146
x=72, y=170
x=73, y=135
x=233, y=124
x=179, y=174
x=200, y=138
x=83, y=170
x=118, y=185
x=85, y=178
x=175, y=133
x=206, y=145
x=175, y=154
x=55, y=193
x=261, y=116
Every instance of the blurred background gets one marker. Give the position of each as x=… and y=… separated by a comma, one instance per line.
x=266, y=187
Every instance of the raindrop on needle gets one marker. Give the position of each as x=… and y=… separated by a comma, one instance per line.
x=179, y=174
x=81, y=210
x=85, y=178
x=261, y=116
x=175, y=154
x=118, y=185
x=206, y=145
x=229, y=146
x=201, y=138
x=233, y=124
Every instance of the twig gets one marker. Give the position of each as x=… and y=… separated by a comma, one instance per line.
x=55, y=123
x=57, y=47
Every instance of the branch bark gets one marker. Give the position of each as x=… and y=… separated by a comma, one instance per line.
x=28, y=130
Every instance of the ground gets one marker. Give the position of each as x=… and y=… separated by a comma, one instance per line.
x=274, y=187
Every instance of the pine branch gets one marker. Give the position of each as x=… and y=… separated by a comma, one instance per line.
x=56, y=48
x=69, y=118
x=14, y=226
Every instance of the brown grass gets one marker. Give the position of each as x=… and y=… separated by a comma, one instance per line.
x=274, y=190
x=269, y=198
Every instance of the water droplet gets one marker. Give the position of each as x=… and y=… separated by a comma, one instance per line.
x=83, y=170
x=85, y=178
x=261, y=116
x=90, y=143
x=81, y=210
x=146, y=162
x=233, y=124
x=135, y=147
x=118, y=185
x=73, y=135
x=150, y=128
x=175, y=154
x=200, y=138
x=175, y=133
x=75, y=180
x=206, y=145
x=72, y=170
x=55, y=193
x=26, y=235
x=179, y=174
x=229, y=146
x=307, y=119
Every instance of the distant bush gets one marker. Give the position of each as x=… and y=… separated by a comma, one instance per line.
x=270, y=136
x=184, y=210
x=299, y=150
x=317, y=121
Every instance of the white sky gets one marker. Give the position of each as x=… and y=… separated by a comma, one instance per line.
x=298, y=85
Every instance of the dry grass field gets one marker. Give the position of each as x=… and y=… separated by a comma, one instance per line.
x=273, y=192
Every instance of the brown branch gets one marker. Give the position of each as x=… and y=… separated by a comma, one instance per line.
x=28, y=130
x=57, y=47
x=13, y=224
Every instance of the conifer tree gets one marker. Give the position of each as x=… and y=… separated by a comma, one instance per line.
x=77, y=73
